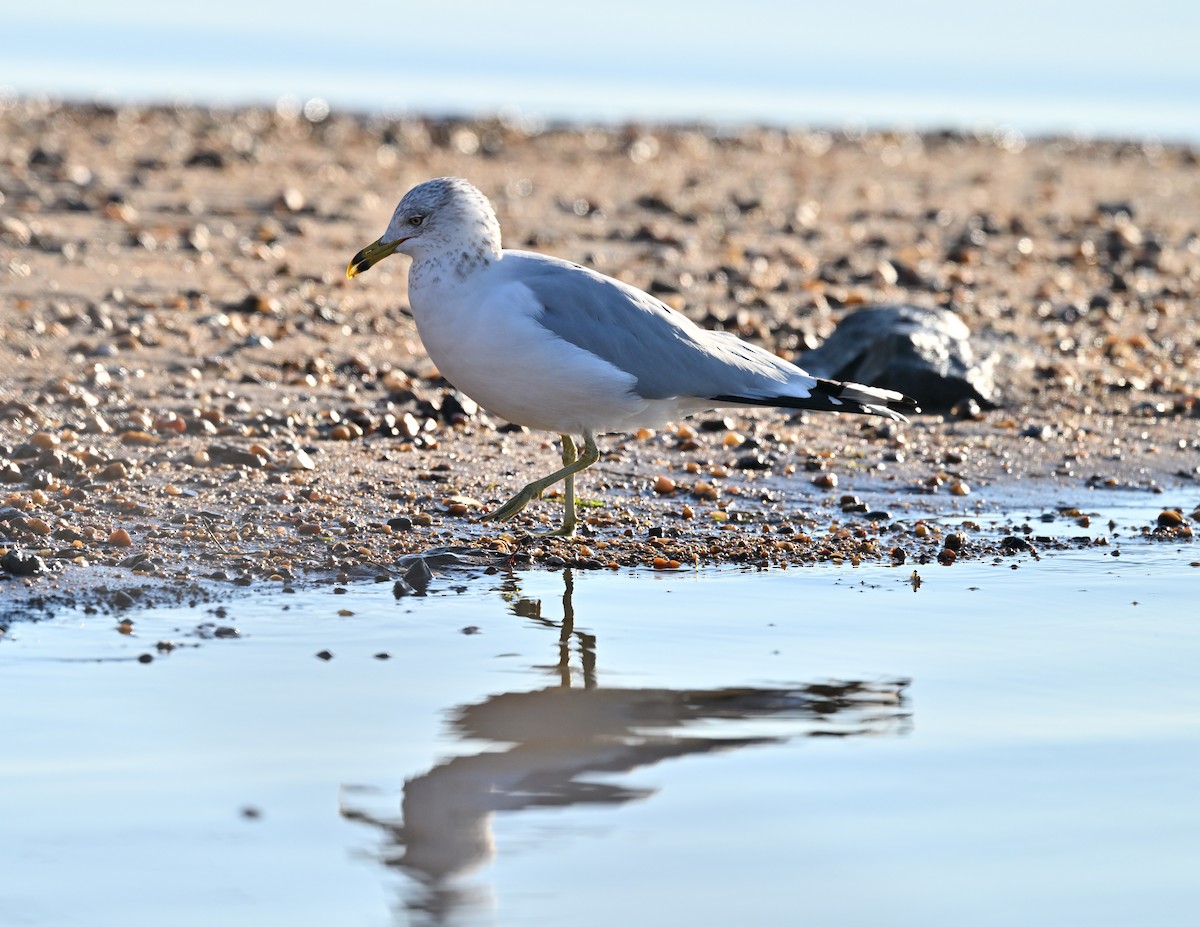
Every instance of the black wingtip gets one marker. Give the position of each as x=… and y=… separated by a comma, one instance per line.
x=836, y=396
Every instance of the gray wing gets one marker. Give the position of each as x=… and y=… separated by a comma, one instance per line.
x=667, y=353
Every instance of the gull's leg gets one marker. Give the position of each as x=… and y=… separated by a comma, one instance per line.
x=572, y=464
x=567, y=528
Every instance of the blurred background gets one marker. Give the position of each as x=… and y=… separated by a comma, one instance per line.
x=1101, y=68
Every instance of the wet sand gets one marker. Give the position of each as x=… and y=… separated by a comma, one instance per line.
x=193, y=397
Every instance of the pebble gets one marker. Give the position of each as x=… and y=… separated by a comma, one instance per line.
x=120, y=537
x=45, y=441
x=114, y=472
x=664, y=486
x=1170, y=518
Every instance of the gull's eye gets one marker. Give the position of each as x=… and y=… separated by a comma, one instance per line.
x=414, y=221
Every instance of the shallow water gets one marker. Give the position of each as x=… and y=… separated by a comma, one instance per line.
x=1010, y=742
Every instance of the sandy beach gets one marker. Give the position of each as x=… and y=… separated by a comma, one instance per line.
x=192, y=392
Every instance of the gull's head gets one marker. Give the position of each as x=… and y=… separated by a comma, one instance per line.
x=443, y=216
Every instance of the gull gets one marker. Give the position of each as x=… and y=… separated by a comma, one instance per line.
x=555, y=346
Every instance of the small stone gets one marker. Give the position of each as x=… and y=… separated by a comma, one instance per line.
x=324, y=655
x=960, y=488
x=171, y=424
x=206, y=157
x=120, y=537
x=139, y=438
x=461, y=505
x=299, y=459
x=44, y=441
x=664, y=486
x=1170, y=518
x=753, y=462
x=41, y=529
x=825, y=481
x=113, y=473
x=946, y=556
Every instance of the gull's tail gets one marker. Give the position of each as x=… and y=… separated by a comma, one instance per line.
x=835, y=396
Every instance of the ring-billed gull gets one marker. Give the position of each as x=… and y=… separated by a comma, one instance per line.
x=555, y=346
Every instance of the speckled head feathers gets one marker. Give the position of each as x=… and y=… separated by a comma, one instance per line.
x=443, y=214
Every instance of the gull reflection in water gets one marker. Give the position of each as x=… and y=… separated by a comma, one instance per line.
x=560, y=736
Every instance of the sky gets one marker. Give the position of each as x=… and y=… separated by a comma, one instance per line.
x=1067, y=65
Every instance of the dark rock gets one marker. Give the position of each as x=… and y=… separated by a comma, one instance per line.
x=458, y=406
x=206, y=158
x=1115, y=208
x=925, y=353
x=418, y=576
x=235, y=457
x=753, y=462
x=22, y=563
x=1014, y=545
